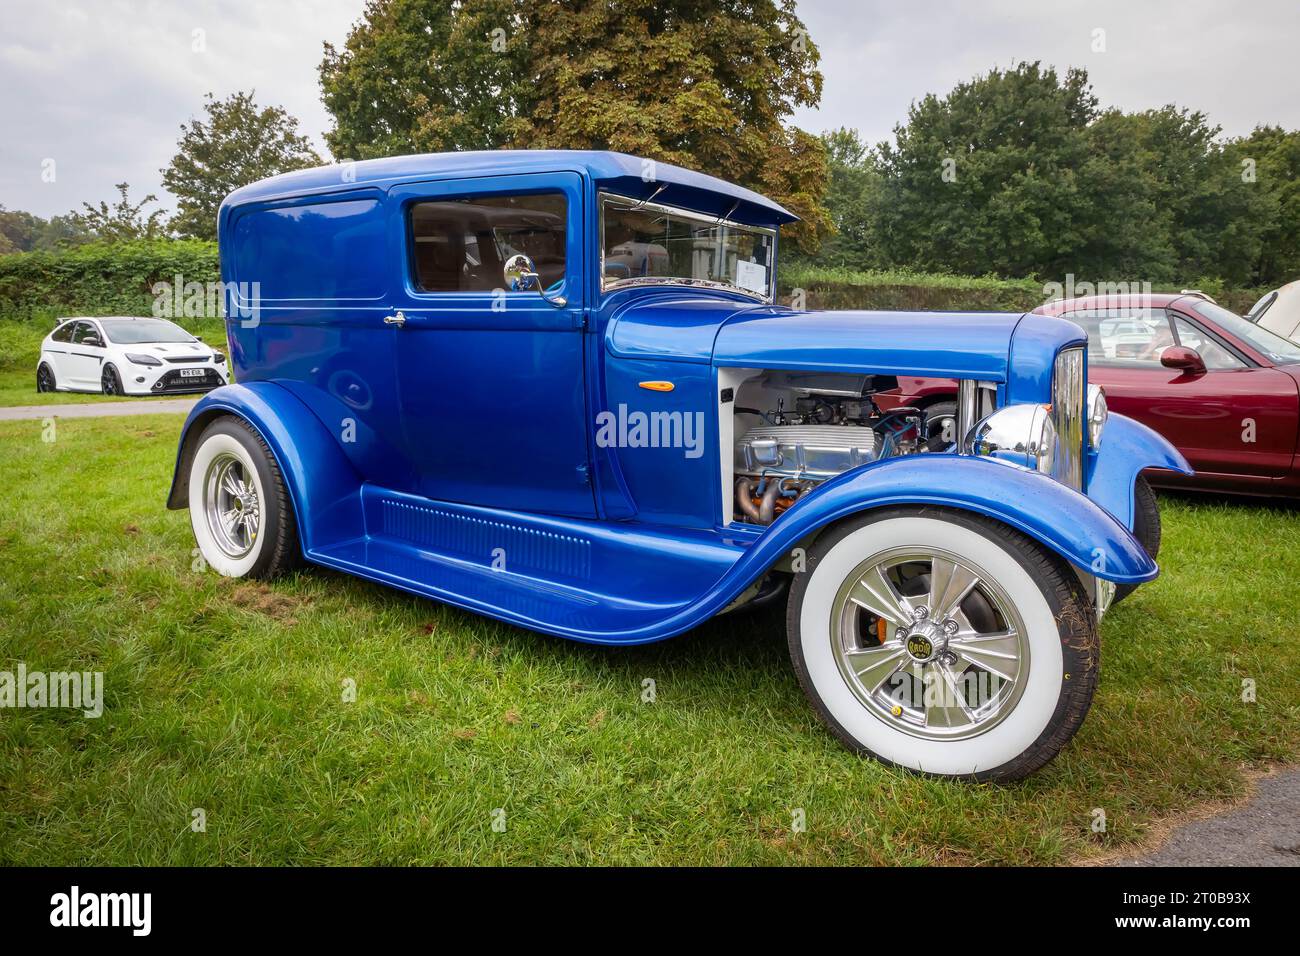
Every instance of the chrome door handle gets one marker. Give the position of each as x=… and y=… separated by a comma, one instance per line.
x=398, y=320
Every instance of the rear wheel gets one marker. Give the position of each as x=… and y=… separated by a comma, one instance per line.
x=943, y=642
x=1146, y=528
x=239, y=506
x=45, y=378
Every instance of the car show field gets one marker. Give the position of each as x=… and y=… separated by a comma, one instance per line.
x=231, y=697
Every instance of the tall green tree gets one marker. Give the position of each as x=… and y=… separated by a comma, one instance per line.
x=1183, y=188
x=24, y=232
x=124, y=220
x=985, y=178
x=1018, y=172
x=853, y=201
x=234, y=144
x=1268, y=163
x=709, y=84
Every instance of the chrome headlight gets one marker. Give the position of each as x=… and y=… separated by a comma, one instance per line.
x=1098, y=412
x=1020, y=434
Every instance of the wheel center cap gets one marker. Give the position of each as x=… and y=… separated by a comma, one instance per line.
x=925, y=641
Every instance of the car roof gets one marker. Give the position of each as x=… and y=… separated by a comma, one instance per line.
x=101, y=318
x=618, y=172
x=1148, y=300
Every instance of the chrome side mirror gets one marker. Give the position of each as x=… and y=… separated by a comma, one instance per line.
x=520, y=275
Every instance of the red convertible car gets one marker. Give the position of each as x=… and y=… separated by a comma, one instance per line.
x=1223, y=390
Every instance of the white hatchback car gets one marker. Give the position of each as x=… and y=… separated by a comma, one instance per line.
x=127, y=356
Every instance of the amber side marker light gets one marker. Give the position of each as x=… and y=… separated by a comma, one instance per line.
x=658, y=386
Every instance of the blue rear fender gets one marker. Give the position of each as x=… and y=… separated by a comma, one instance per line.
x=1057, y=517
x=322, y=484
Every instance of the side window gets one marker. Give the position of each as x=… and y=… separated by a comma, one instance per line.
x=461, y=245
x=327, y=251
x=1213, y=354
x=64, y=332
x=82, y=330
x=1125, y=338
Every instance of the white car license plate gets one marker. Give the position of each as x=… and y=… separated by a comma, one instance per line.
x=193, y=372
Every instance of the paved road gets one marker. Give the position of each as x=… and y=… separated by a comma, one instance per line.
x=1264, y=832
x=99, y=409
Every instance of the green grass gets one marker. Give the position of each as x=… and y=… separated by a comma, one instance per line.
x=226, y=696
x=20, y=347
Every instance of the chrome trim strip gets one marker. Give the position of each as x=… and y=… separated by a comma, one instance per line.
x=967, y=409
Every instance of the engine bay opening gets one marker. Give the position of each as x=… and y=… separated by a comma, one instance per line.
x=793, y=430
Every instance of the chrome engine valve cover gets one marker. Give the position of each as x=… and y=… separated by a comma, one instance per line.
x=804, y=451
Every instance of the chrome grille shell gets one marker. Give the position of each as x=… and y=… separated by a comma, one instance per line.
x=1069, y=411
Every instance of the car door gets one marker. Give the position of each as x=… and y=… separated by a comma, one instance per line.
x=56, y=352
x=85, y=356
x=1237, y=418
x=1207, y=416
x=490, y=382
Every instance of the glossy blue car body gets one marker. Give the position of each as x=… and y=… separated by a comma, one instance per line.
x=417, y=455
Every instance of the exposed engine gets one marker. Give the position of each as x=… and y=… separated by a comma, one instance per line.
x=817, y=426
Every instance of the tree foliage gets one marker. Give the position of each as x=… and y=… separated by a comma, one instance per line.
x=1019, y=173
x=236, y=143
x=123, y=221
x=708, y=84
x=23, y=232
x=1272, y=156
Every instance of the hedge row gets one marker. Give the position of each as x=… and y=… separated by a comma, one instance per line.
x=829, y=288
x=106, y=279
x=100, y=278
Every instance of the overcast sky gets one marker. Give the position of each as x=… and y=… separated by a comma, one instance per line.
x=101, y=86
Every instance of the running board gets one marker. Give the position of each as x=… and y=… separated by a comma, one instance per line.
x=597, y=581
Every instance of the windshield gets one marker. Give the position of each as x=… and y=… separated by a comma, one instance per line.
x=1278, y=350
x=646, y=243
x=140, y=331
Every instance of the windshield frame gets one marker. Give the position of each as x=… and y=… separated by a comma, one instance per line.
x=610, y=285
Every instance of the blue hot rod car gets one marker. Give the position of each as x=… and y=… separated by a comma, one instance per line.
x=556, y=388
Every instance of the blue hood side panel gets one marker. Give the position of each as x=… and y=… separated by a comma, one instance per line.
x=926, y=344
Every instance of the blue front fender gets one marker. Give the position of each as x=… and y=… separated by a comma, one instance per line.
x=1061, y=519
x=321, y=482
x=1127, y=447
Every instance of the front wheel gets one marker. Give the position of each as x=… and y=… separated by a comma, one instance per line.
x=110, y=383
x=1146, y=528
x=239, y=506
x=943, y=642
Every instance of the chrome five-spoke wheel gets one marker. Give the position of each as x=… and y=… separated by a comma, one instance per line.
x=929, y=643
x=943, y=642
x=239, y=507
x=231, y=506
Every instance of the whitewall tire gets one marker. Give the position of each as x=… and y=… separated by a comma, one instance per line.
x=943, y=642
x=239, y=507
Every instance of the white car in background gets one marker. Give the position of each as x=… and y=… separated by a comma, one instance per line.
x=1279, y=311
x=127, y=356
